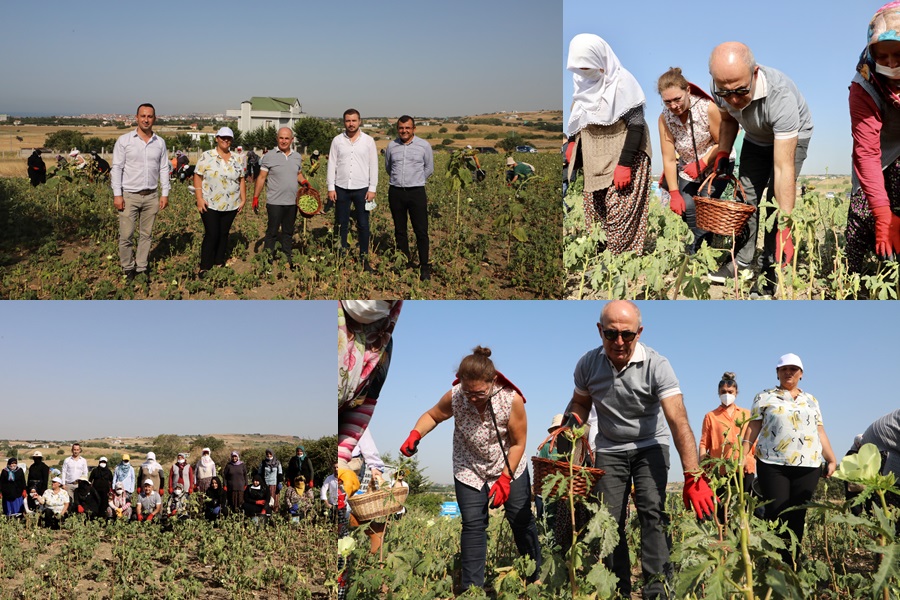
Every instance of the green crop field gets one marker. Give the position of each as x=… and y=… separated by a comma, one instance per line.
x=487, y=241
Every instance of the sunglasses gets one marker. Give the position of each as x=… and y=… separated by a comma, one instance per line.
x=738, y=92
x=612, y=335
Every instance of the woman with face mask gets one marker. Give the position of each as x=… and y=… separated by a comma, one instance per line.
x=720, y=438
x=872, y=222
x=612, y=143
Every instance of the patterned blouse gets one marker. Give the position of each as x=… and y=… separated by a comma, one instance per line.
x=55, y=501
x=790, y=428
x=477, y=456
x=221, y=180
x=684, y=145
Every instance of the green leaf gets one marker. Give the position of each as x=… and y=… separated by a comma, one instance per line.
x=520, y=234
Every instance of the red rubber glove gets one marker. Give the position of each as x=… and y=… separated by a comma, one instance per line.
x=80, y=509
x=723, y=164
x=784, y=244
x=697, y=494
x=140, y=517
x=499, y=493
x=411, y=445
x=895, y=233
x=622, y=177
x=694, y=169
x=255, y=202
x=883, y=246
x=24, y=494
x=676, y=202
x=149, y=518
x=261, y=502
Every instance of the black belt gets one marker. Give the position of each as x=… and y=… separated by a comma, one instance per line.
x=146, y=192
x=400, y=187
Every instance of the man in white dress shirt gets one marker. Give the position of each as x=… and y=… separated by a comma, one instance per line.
x=74, y=468
x=352, y=179
x=140, y=164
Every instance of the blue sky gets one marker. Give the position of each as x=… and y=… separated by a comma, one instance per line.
x=847, y=349
x=384, y=58
x=816, y=44
x=76, y=370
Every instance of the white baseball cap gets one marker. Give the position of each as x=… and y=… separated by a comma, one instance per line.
x=225, y=132
x=788, y=360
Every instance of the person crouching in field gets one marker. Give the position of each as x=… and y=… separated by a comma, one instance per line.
x=54, y=503
x=256, y=498
x=177, y=508
x=119, y=506
x=149, y=502
x=215, y=501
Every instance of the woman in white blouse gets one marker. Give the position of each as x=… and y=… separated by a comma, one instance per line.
x=55, y=502
x=488, y=470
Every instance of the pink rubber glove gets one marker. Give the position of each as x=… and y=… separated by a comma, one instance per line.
x=499, y=493
x=697, y=494
x=784, y=244
x=694, y=169
x=883, y=246
x=676, y=202
x=622, y=177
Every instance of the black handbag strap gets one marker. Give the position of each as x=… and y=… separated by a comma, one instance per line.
x=490, y=404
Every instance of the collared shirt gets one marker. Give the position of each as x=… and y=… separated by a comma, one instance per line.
x=281, y=176
x=74, y=468
x=139, y=165
x=353, y=165
x=790, y=428
x=221, y=180
x=628, y=401
x=329, y=492
x=410, y=164
x=777, y=110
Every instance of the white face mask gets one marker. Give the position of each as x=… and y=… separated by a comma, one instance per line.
x=727, y=399
x=177, y=492
x=180, y=461
x=887, y=71
x=119, y=492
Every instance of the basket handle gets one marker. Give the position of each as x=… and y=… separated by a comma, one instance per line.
x=737, y=185
x=562, y=429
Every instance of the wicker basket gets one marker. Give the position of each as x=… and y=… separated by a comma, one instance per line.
x=382, y=503
x=724, y=217
x=585, y=477
x=311, y=191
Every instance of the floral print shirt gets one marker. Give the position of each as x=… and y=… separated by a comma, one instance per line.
x=221, y=180
x=477, y=456
x=790, y=428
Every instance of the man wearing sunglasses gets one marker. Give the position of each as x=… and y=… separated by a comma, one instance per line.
x=638, y=402
x=777, y=126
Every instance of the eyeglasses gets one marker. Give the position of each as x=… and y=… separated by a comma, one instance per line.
x=612, y=335
x=738, y=92
x=480, y=395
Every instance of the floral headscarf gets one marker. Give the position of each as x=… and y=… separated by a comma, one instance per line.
x=361, y=347
x=884, y=27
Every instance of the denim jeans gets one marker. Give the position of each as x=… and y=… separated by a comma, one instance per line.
x=758, y=174
x=473, y=507
x=648, y=469
x=354, y=200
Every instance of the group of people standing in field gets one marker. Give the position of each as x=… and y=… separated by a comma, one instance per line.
x=699, y=136
x=121, y=492
x=140, y=184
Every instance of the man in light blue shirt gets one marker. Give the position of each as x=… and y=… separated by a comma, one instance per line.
x=410, y=162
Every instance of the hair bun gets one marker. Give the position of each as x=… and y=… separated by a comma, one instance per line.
x=728, y=375
x=481, y=351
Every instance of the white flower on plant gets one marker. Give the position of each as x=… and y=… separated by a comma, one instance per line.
x=430, y=523
x=346, y=545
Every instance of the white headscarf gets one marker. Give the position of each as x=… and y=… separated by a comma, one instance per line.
x=605, y=91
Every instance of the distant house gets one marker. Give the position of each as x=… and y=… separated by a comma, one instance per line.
x=266, y=111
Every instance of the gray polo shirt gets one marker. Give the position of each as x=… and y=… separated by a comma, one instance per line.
x=281, y=179
x=885, y=434
x=777, y=111
x=629, y=412
x=409, y=165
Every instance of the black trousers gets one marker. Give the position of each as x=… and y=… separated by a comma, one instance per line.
x=216, y=225
x=414, y=203
x=280, y=217
x=786, y=487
